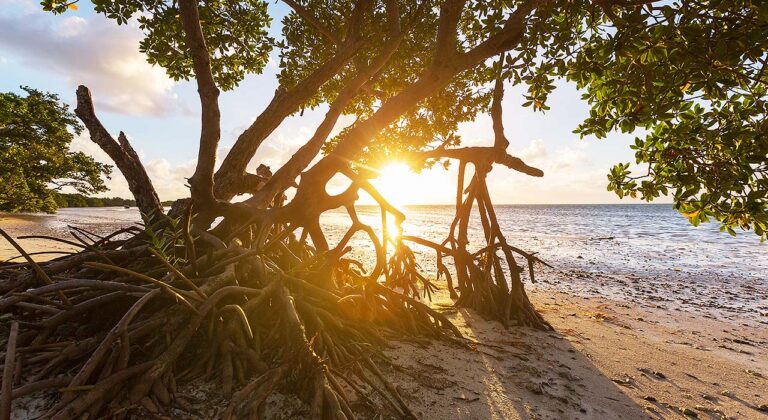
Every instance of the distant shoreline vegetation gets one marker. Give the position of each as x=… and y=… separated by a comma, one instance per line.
x=79, y=200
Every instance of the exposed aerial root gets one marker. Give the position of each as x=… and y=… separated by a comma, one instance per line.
x=116, y=327
x=118, y=339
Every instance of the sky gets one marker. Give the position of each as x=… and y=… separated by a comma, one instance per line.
x=56, y=53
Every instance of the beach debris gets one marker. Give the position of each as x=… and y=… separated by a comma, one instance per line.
x=727, y=393
x=688, y=412
x=651, y=372
x=650, y=398
x=626, y=381
x=754, y=373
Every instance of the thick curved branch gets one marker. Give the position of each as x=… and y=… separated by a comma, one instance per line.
x=447, y=37
x=508, y=37
x=210, y=129
x=121, y=153
x=286, y=175
x=480, y=156
x=500, y=140
x=283, y=104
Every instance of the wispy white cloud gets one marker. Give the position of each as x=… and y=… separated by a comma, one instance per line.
x=93, y=51
x=571, y=175
x=534, y=152
x=168, y=179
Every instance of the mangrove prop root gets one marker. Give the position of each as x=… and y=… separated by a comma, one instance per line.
x=116, y=327
x=106, y=339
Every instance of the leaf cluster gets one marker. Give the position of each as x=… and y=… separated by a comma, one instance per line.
x=35, y=161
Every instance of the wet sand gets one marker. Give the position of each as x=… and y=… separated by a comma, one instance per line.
x=624, y=346
x=18, y=225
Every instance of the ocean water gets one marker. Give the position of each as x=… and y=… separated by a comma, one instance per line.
x=637, y=238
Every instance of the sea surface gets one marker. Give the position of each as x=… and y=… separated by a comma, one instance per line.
x=634, y=238
x=647, y=238
x=638, y=253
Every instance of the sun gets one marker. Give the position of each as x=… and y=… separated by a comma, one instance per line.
x=396, y=182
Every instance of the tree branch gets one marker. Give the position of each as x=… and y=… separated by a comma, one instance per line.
x=500, y=141
x=480, y=156
x=507, y=38
x=303, y=157
x=313, y=21
x=201, y=182
x=283, y=104
x=122, y=154
x=446, y=42
x=436, y=76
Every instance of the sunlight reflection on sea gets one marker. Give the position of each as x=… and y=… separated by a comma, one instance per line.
x=645, y=239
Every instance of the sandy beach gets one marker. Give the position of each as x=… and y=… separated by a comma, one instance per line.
x=55, y=226
x=605, y=359
x=20, y=225
x=623, y=347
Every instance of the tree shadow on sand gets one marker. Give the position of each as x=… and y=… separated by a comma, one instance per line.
x=514, y=373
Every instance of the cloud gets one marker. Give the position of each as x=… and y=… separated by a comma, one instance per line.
x=71, y=27
x=93, y=51
x=168, y=179
x=571, y=175
x=535, y=151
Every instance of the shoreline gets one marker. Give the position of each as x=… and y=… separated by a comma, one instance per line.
x=54, y=225
x=29, y=224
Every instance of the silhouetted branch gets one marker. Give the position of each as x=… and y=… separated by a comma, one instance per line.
x=121, y=153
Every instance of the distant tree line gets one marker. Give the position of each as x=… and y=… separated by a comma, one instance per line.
x=79, y=200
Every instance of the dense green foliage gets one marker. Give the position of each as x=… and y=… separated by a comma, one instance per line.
x=35, y=133
x=691, y=76
x=688, y=77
